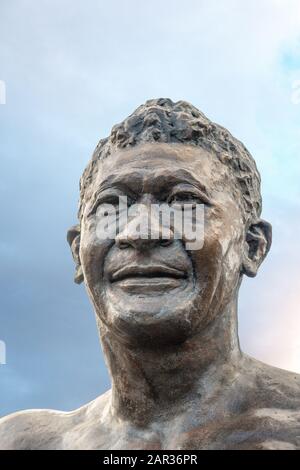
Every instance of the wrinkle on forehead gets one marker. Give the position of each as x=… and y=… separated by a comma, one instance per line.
x=164, y=163
x=154, y=170
x=152, y=180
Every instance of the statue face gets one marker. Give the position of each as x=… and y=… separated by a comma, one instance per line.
x=157, y=290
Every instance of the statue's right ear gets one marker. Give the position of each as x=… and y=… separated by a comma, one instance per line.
x=73, y=237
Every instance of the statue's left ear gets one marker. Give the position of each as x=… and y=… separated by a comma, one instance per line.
x=73, y=237
x=257, y=244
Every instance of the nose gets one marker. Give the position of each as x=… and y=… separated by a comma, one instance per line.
x=144, y=232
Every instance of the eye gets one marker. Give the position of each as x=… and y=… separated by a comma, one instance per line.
x=185, y=197
x=112, y=199
x=115, y=200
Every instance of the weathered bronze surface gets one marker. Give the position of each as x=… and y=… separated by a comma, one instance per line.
x=167, y=316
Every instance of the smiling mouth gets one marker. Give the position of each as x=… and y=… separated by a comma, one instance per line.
x=139, y=279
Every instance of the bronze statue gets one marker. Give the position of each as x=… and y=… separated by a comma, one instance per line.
x=167, y=316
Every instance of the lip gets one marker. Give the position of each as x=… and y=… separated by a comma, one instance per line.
x=147, y=274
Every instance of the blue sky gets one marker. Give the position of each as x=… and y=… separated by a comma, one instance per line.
x=74, y=69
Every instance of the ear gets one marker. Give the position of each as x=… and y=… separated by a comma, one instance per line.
x=257, y=244
x=73, y=237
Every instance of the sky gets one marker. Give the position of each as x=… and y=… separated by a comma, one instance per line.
x=71, y=71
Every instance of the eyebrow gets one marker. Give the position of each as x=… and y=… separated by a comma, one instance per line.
x=135, y=182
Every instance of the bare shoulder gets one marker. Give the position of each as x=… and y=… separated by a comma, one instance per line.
x=48, y=429
x=276, y=387
x=32, y=429
x=270, y=407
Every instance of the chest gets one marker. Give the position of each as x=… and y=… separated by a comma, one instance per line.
x=244, y=431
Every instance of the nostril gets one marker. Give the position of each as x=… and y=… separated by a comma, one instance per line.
x=122, y=244
x=166, y=242
x=141, y=243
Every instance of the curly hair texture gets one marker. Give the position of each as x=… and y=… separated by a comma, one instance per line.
x=162, y=120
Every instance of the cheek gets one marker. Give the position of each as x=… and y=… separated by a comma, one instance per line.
x=231, y=239
x=92, y=255
x=207, y=263
x=220, y=257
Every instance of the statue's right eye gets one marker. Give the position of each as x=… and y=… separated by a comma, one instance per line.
x=110, y=200
x=113, y=200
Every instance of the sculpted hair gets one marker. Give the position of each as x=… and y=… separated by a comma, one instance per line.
x=162, y=120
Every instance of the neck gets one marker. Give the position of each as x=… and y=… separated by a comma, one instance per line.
x=149, y=383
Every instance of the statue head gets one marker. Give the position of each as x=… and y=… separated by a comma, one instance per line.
x=151, y=288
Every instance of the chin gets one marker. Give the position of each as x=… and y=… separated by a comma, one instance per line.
x=150, y=320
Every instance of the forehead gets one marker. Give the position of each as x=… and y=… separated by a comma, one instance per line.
x=154, y=166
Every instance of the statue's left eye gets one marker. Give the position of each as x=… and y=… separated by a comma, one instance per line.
x=185, y=197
